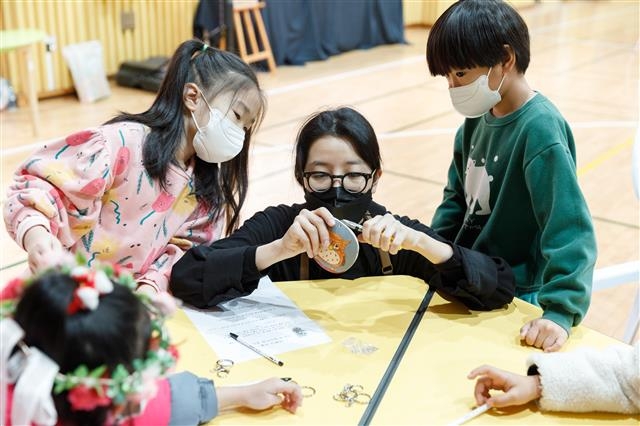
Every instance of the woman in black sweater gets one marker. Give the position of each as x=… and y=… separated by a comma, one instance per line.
x=338, y=165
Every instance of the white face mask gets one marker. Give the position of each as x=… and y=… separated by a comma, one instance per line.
x=220, y=140
x=475, y=99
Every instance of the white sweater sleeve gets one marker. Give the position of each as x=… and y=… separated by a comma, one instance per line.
x=590, y=380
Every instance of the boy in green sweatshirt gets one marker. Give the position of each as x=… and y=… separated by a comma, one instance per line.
x=512, y=188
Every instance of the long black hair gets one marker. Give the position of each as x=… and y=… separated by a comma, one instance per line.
x=345, y=123
x=220, y=188
x=473, y=33
x=116, y=332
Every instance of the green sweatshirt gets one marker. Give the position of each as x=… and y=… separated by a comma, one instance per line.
x=513, y=192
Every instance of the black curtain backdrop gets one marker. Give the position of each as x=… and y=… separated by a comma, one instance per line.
x=310, y=30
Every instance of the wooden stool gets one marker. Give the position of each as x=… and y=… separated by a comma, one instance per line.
x=242, y=22
x=25, y=41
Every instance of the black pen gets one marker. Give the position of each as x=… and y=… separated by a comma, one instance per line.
x=274, y=360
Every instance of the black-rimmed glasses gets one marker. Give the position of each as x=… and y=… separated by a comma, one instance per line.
x=354, y=182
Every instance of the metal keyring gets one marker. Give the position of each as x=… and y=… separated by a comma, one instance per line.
x=362, y=398
x=356, y=388
x=222, y=368
x=311, y=391
x=222, y=373
x=351, y=394
x=224, y=363
x=345, y=395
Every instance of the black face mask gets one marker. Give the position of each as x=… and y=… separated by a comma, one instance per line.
x=341, y=203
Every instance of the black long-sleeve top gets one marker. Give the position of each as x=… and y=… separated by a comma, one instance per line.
x=208, y=275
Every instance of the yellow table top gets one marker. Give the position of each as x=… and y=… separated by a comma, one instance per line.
x=376, y=311
x=430, y=384
x=11, y=39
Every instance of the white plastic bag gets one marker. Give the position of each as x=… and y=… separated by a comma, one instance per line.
x=87, y=69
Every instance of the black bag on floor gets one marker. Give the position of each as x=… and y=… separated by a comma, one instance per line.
x=146, y=75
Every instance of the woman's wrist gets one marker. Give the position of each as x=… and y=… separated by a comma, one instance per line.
x=435, y=251
x=270, y=253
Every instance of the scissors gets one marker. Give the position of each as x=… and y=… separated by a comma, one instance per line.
x=356, y=227
x=352, y=225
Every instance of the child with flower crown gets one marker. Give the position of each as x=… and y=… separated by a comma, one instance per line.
x=79, y=347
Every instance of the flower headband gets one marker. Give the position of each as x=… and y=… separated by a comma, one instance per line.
x=92, y=283
x=87, y=388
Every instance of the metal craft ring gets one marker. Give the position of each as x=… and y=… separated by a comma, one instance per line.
x=222, y=368
x=348, y=394
x=348, y=402
x=224, y=364
x=362, y=398
x=222, y=373
x=352, y=393
x=356, y=388
x=310, y=391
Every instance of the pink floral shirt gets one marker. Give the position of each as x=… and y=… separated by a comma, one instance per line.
x=93, y=193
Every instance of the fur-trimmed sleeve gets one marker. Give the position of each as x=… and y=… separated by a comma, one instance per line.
x=590, y=380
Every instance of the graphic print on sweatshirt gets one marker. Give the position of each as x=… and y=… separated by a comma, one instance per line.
x=477, y=188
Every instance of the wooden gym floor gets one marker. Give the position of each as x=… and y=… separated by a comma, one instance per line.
x=584, y=58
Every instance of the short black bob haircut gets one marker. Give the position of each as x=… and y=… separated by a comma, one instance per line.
x=344, y=123
x=473, y=33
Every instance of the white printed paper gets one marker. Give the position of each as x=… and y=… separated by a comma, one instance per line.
x=266, y=319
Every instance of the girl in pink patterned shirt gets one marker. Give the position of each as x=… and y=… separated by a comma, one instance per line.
x=142, y=188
